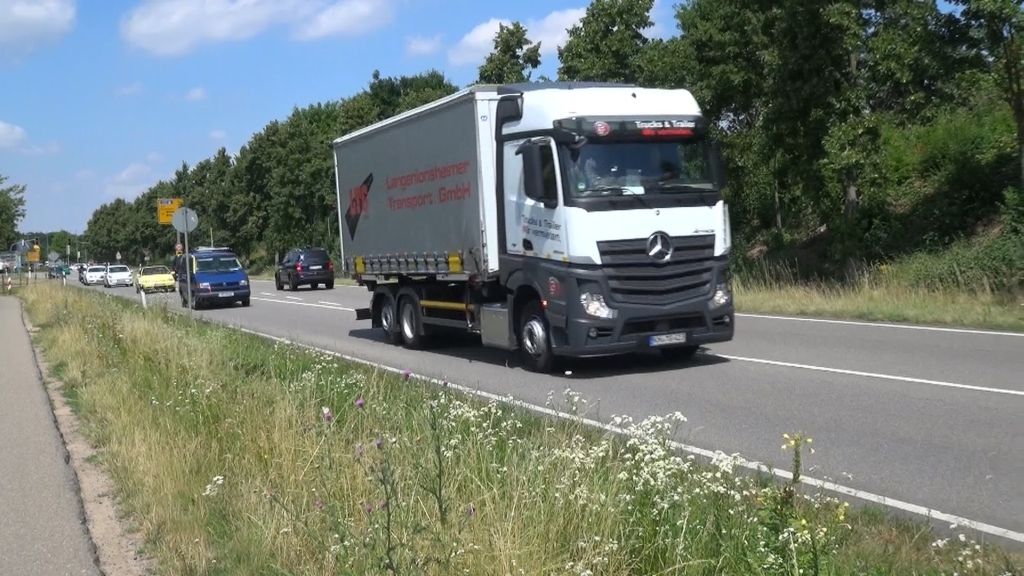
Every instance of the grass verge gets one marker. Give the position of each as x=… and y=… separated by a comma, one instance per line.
x=239, y=456
x=893, y=303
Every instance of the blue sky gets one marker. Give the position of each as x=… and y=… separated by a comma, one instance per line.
x=103, y=98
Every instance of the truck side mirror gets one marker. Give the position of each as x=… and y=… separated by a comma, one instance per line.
x=717, y=165
x=533, y=173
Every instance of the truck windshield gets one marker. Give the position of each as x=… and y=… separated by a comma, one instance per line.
x=601, y=169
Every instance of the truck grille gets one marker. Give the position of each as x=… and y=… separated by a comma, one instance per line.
x=223, y=285
x=634, y=278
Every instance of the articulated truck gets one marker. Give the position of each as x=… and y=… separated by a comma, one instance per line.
x=551, y=219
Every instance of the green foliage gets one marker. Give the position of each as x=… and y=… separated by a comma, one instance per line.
x=608, y=42
x=513, y=58
x=12, y=210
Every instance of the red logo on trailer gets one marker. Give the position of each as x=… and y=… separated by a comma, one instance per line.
x=602, y=128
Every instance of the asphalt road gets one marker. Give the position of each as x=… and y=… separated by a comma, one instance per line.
x=929, y=417
x=42, y=531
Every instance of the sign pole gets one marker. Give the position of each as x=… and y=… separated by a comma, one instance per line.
x=188, y=274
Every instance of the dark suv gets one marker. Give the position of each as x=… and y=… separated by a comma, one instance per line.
x=300, y=266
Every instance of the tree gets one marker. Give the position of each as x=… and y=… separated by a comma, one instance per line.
x=513, y=57
x=608, y=43
x=12, y=210
x=999, y=24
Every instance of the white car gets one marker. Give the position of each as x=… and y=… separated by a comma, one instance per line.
x=118, y=275
x=94, y=274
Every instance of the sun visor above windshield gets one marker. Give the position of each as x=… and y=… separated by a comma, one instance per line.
x=635, y=128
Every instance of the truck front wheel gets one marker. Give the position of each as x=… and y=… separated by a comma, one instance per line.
x=535, y=339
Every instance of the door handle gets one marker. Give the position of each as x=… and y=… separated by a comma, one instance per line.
x=527, y=245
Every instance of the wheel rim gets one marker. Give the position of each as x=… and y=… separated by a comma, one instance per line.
x=408, y=322
x=387, y=316
x=535, y=337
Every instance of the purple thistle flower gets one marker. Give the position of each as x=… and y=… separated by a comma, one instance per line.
x=369, y=507
x=360, y=402
x=328, y=416
x=319, y=504
x=406, y=374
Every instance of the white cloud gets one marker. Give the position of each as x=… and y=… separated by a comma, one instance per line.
x=218, y=134
x=175, y=27
x=135, y=179
x=10, y=135
x=422, y=46
x=550, y=31
x=128, y=89
x=47, y=149
x=346, y=18
x=27, y=24
x=553, y=30
x=196, y=94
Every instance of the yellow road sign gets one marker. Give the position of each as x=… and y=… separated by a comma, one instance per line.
x=32, y=255
x=165, y=208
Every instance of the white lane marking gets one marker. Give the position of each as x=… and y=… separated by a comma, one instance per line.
x=293, y=298
x=873, y=375
x=340, y=308
x=329, y=303
x=266, y=293
x=751, y=465
x=885, y=325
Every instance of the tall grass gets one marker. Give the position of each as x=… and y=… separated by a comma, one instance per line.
x=239, y=456
x=926, y=289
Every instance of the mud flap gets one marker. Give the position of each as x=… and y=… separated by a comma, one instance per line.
x=364, y=314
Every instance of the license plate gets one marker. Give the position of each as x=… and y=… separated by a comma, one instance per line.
x=315, y=267
x=665, y=339
x=225, y=294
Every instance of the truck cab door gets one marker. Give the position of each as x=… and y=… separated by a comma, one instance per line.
x=535, y=223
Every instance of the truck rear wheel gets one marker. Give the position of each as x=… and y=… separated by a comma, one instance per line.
x=389, y=319
x=409, y=322
x=535, y=339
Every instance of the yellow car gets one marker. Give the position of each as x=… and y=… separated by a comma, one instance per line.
x=154, y=279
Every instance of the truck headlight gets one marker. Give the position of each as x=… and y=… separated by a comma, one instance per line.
x=243, y=283
x=723, y=295
x=594, y=305
x=204, y=285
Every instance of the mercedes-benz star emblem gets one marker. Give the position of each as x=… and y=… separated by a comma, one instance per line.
x=659, y=247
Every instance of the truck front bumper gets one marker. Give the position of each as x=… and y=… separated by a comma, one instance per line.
x=637, y=327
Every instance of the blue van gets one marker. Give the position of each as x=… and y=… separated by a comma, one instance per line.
x=217, y=277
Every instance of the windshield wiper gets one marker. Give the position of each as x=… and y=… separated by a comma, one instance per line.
x=623, y=193
x=677, y=187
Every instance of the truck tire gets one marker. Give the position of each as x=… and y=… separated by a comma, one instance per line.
x=409, y=322
x=535, y=339
x=389, y=318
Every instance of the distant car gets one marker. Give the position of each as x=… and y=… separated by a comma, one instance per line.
x=154, y=279
x=117, y=275
x=305, y=266
x=94, y=275
x=215, y=276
